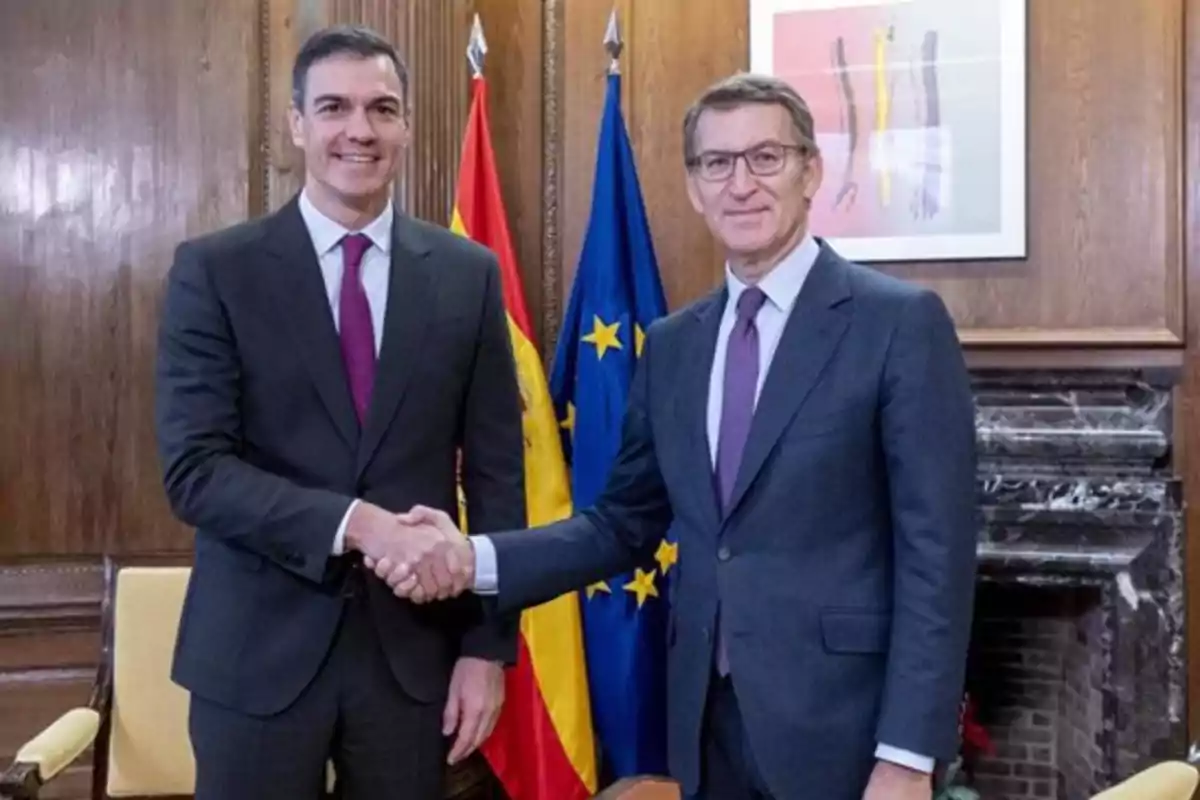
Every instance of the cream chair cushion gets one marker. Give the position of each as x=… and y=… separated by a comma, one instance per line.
x=150, y=753
x=55, y=748
x=1171, y=780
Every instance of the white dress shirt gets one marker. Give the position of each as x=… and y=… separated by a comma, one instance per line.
x=781, y=286
x=375, y=270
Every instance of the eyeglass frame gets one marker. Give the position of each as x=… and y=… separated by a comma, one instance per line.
x=695, y=162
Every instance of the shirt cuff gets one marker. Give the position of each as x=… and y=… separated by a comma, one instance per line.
x=885, y=752
x=339, y=538
x=486, y=580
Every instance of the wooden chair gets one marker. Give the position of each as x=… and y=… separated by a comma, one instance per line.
x=645, y=787
x=136, y=719
x=1170, y=780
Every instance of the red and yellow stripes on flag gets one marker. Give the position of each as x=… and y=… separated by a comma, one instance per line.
x=542, y=747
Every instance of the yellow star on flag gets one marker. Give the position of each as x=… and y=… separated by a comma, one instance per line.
x=642, y=585
x=568, y=424
x=666, y=555
x=602, y=586
x=639, y=340
x=603, y=336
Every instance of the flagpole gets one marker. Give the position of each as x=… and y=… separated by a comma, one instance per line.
x=476, y=48
x=547, y=687
x=613, y=44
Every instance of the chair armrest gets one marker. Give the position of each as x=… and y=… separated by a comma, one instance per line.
x=641, y=787
x=49, y=753
x=1168, y=780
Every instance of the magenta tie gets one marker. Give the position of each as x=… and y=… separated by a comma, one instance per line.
x=356, y=330
x=737, y=412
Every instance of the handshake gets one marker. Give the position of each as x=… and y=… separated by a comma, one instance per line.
x=420, y=554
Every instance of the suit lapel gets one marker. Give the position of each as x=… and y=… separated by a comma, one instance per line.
x=409, y=309
x=810, y=337
x=692, y=401
x=309, y=316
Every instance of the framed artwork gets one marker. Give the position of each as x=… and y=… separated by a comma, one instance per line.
x=919, y=110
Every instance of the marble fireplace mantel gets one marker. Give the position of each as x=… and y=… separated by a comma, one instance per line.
x=1077, y=491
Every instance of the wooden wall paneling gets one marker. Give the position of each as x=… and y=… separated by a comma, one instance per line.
x=583, y=63
x=678, y=50
x=284, y=26
x=672, y=52
x=1067, y=358
x=1186, y=445
x=554, y=165
x=513, y=69
x=1105, y=144
x=200, y=105
x=435, y=47
x=129, y=131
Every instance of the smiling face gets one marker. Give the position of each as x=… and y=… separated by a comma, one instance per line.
x=753, y=183
x=354, y=134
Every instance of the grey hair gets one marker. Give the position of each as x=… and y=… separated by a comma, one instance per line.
x=745, y=88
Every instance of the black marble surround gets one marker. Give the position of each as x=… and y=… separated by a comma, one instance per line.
x=1077, y=490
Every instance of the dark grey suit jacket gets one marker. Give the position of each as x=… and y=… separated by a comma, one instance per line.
x=262, y=451
x=845, y=568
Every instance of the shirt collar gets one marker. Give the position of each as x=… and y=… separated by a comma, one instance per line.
x=783, y=283
x=327, y=234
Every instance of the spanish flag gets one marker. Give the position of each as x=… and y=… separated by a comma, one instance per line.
x=542, y=747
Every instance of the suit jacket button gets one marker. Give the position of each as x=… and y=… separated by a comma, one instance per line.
x=723, y=554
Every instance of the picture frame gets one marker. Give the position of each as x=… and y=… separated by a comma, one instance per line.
x=919, y=110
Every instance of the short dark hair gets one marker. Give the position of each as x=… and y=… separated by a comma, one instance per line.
x=745, y=88
x=356, y=40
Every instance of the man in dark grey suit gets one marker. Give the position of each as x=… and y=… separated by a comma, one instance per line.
x=808, y=432
x=319, y=370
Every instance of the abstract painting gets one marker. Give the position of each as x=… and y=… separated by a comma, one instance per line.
x=919, y=109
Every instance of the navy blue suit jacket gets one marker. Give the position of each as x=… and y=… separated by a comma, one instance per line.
x=845, y=567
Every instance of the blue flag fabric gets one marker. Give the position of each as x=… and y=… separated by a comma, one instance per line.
x=616, y=294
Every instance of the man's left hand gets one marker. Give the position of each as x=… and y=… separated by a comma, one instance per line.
x=476, y=696
x=893, y=782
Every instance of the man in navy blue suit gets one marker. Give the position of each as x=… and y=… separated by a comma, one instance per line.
x=807, y=431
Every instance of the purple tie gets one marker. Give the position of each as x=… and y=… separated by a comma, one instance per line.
x=737, y=411
x=355, y=326
x=741, y=382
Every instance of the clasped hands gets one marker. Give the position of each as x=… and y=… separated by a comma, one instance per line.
x=420, y=554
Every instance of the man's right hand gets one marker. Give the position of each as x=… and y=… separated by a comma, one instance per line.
x=399, y=548
x=447, y=569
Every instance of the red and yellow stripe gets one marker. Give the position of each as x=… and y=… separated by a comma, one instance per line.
x=543, y=747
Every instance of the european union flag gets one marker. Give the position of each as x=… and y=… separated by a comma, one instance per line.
x=617, y=293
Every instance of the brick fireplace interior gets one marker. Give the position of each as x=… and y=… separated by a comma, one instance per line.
x=1036, y=670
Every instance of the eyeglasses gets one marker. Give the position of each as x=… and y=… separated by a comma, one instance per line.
x=762, y=160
